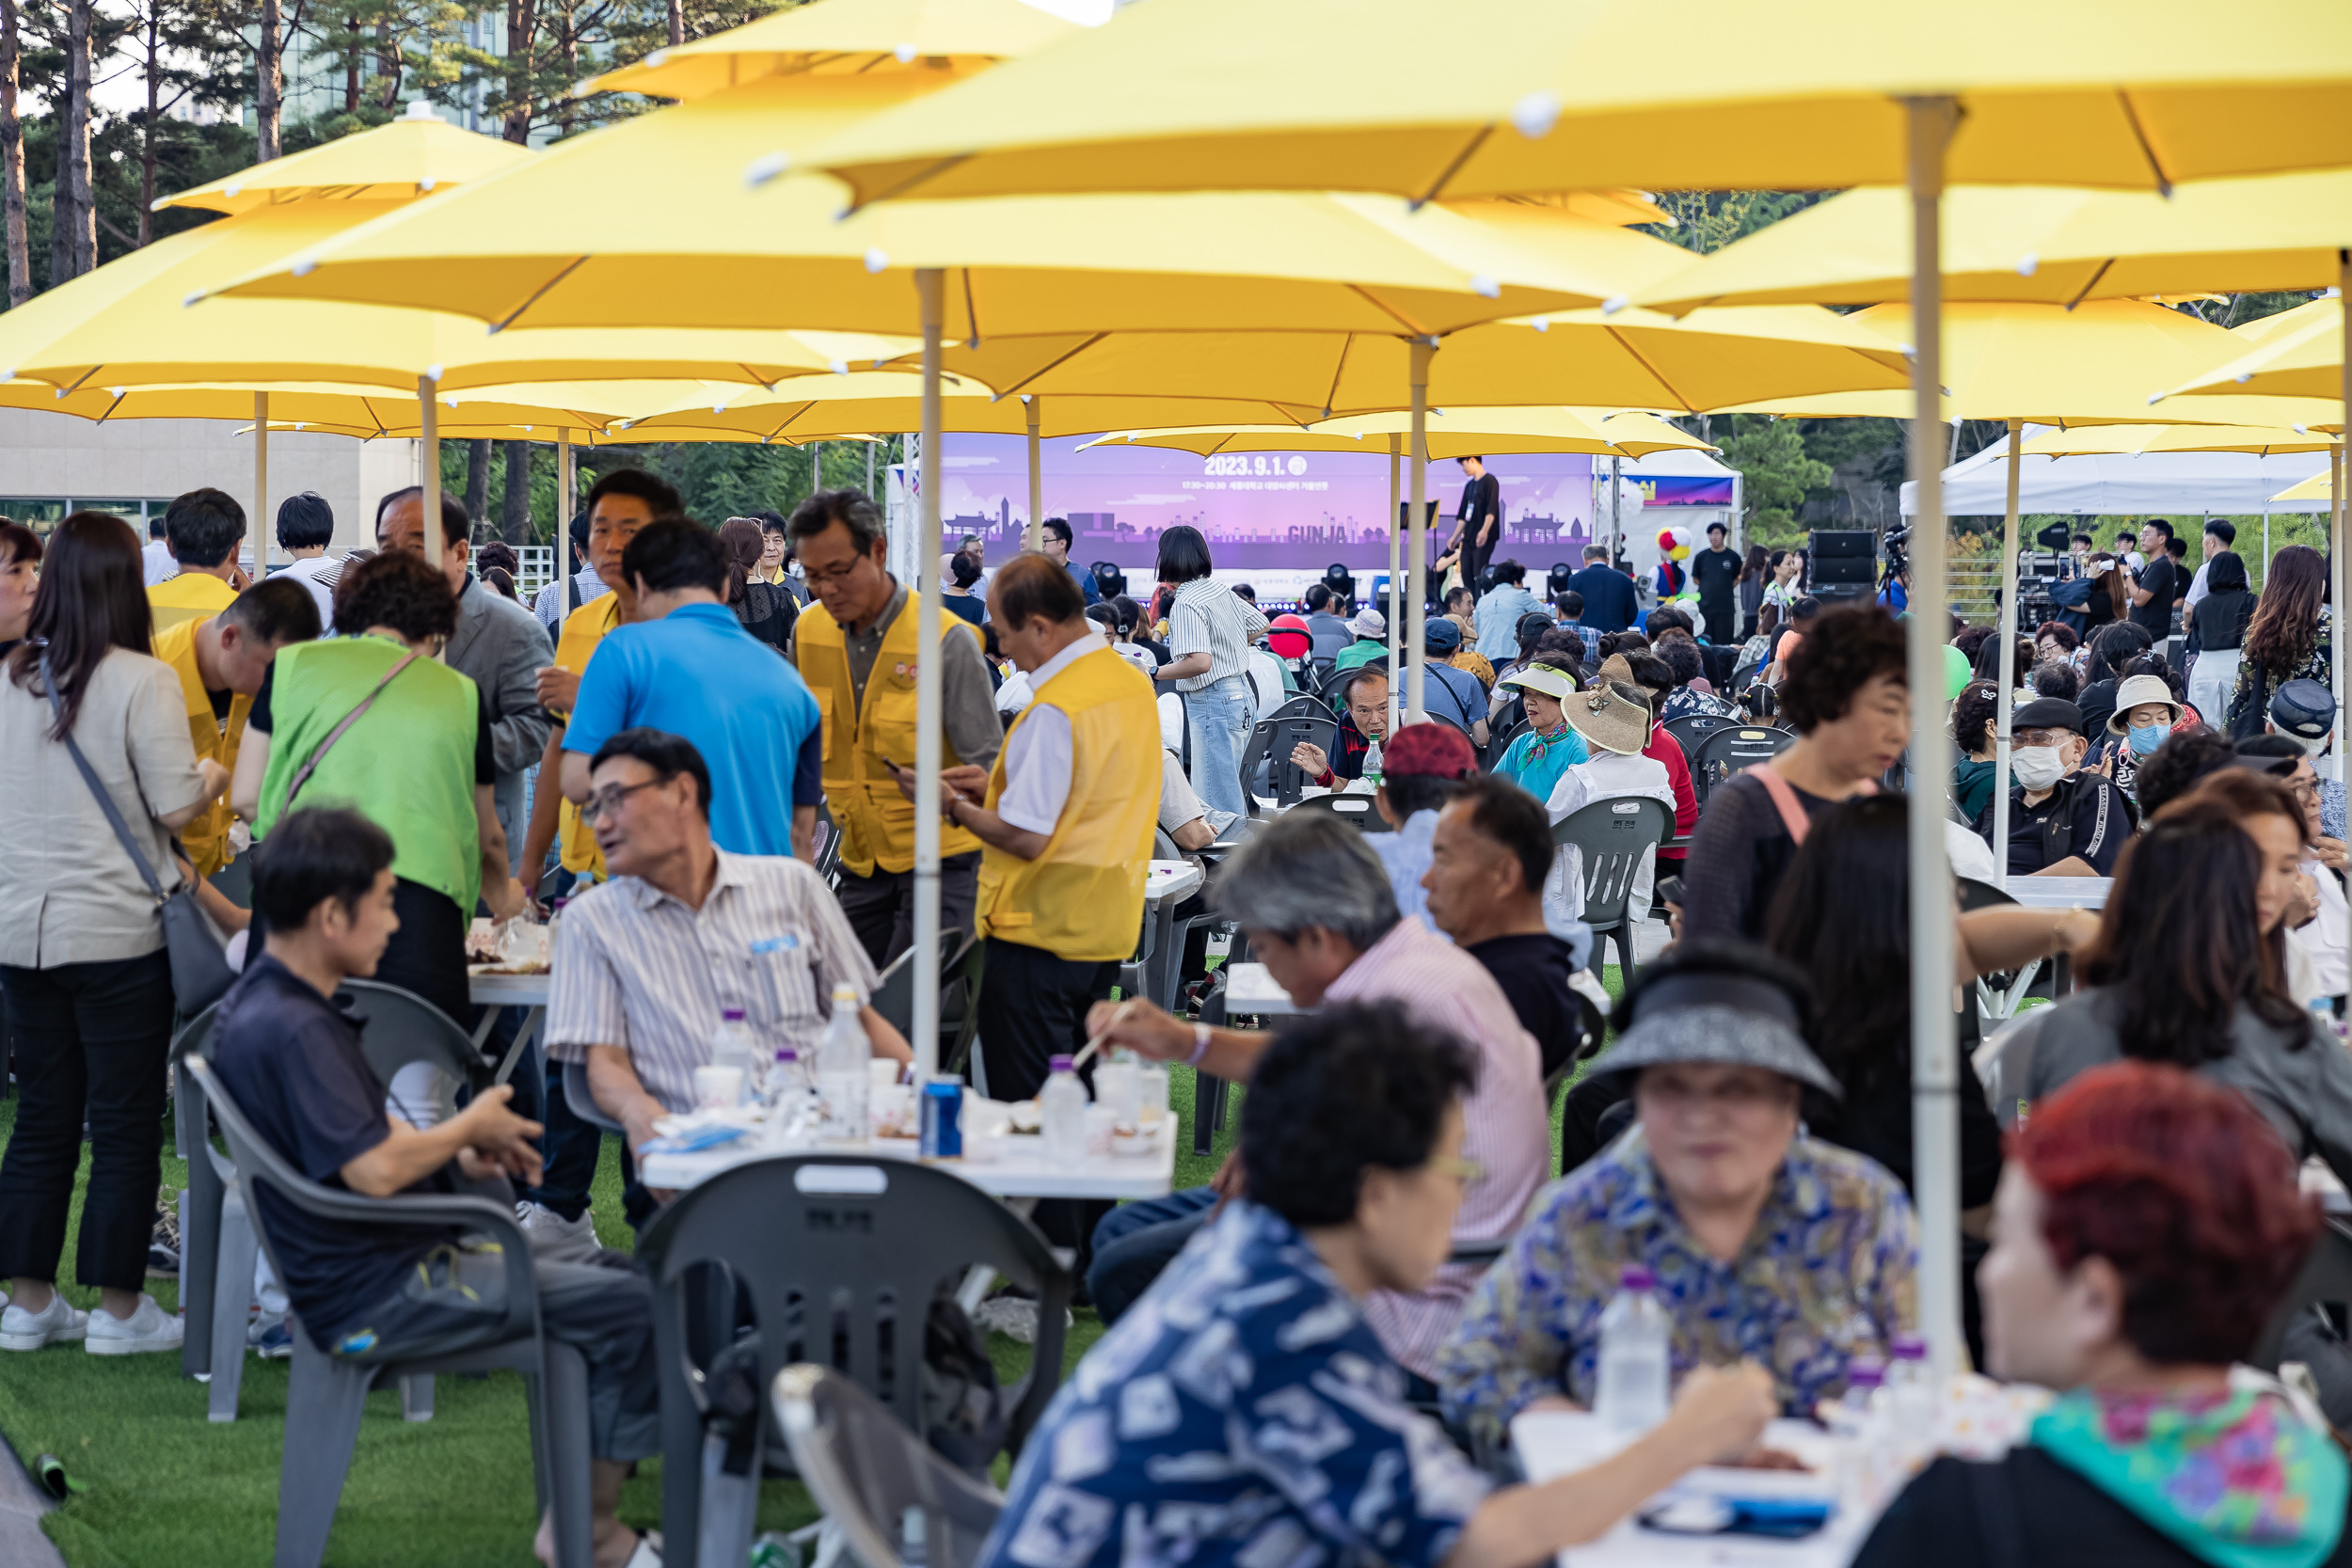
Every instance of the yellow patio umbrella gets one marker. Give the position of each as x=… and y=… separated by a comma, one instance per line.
x=936, y=40
x=415, y=156
x=2319, y=487
x=1453, y=433
x=2135, y=441
x=2039, y=244
x=2301, y=354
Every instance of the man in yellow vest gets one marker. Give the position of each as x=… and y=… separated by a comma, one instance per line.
x=856, y=649
x=1065, y=818
x=202, y=530
x=221, y=661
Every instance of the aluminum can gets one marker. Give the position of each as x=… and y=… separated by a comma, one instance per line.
x=942, y=1111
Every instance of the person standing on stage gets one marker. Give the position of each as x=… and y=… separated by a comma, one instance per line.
x=1477, y=522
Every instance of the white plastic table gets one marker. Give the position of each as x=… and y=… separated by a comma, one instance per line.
x=508, y=990
x=2060, y=893
x=1553, y=1444
x=1017, y=1175
x=1251, y=991
x=1159, y=956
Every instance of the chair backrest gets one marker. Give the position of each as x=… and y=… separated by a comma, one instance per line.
x=1975, y=895
x=867, y=1472
x=195, y=1038
x=1692, y=728
x=259, y=1168
x=1734, y=749
x=1501, y=744
x=823, y=1241
x=894, y=996
x=1305, y=706
x=1615, y=837
x=582, y=1101
x=403, y=1028
x=1355, y=809
x=1271, y=742
x=959, y=999
x=828, y=846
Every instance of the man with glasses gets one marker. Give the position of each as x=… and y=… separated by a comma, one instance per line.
x=2064, y=819
x=645, y=963
x=856, y=649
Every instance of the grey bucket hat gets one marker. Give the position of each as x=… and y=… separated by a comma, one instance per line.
x=1723, y=1018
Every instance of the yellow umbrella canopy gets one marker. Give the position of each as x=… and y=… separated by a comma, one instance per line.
x=2136, y=440
x=413, y=157
x=938, y=42
x=1453, y=434
x=2037, y=244
x=811, y=409
x=2316, y=488
x=1209, y=94
x=312, y=406
x=2299, y=355
x=699, y=248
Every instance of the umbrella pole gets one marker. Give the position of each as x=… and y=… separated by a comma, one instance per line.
x=429, y=466
x=563, y=500
x=928, y=283
x=2009, y=662
x=1396, y=628
x=260, y=485
x=1417, y=597
x=2339, y=509
x=1935, y=1118
x=1036, y=478
x=1616, y=528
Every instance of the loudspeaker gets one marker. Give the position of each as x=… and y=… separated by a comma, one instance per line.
x=1841, y=593
x=1835, y=571
x=1840, y=543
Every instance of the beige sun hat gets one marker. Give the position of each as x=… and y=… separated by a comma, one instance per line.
x=1611, y=717
x=2137, y=692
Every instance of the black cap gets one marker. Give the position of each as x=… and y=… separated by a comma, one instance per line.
x=2047, y=713
x=2303, y=709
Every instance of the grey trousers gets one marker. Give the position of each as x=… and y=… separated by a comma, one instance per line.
x=603, y=1309
x=881, y=906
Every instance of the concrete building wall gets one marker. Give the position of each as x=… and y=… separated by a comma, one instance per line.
x=52, y=459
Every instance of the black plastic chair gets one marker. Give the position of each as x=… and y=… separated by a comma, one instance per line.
x=1693, y=728
x=1734, y=749
x=870, y=1473
x=894, y=997
x=1615, y=838
x=1271, y=742
x=1355, y=809
x=828, y=846
x=840, y=1257
x=1499, y=744
x=326, y=1395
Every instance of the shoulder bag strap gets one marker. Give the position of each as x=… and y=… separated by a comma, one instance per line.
x=318, y=754
x=105, y=802
x=1793, y=815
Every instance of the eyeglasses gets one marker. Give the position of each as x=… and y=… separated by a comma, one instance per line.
x=604, y=803
x=1468, y=1172
x=839, y=574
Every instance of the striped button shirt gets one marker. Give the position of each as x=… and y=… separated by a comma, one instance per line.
x=636, y=967
x=1207, y=617
x=1508, y=1125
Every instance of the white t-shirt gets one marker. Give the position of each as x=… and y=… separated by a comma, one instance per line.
x=1038, y=753
x=156, y=563
x=318, y=573
x=2322, y=942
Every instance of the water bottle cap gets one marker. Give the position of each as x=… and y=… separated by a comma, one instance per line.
x=1059, y=1064
x=731, y=1015
x=1864, y=1373
x=1636, y=1276
x=1908, y=1347
x=787, y=1055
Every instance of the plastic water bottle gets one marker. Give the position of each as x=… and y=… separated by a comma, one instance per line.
x=733, y=1046
x=1372, y=767
x=841, y=1074
x=787, y=1081
x=1062, y=1108
x=1630, y=1394
x=1910, y=1400
x=1860, y=1420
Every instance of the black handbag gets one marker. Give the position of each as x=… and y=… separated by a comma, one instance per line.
x=200, y=958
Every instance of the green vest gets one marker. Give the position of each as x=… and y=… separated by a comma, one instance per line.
x=408, y=765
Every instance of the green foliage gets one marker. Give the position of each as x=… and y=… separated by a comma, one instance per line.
x=717, y=480
x=1705, y=221
x=1777, y=475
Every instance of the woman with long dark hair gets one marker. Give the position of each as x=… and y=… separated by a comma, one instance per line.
x=760, y=607
x=82, y=957
x=2287, y=640
x=2190, y=966
x=1754, y=573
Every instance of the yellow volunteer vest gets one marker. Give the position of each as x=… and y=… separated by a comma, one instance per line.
x=189, y=596
x=1083, y=898
x=206, y=839
x=583, y=628
x=875, y=820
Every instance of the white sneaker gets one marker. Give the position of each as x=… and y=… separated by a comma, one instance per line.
x=556, y=1239
x=52, y=1324
x=150, y=1328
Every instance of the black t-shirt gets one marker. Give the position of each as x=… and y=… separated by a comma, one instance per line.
x=2061, y=1521
x=2161, y=580
x=1533, y=969
x=1737, y=857
x=1875, y=1118
x=484, y=758
x=220, y=701
x=2093, y=809
x=291, y=1060
x=1715, y=572
x=969, y=605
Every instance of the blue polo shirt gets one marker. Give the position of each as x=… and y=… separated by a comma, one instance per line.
x=696, y=672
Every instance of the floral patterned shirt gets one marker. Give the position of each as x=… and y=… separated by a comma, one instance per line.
x=1242, y=1414
x=1828, y=1274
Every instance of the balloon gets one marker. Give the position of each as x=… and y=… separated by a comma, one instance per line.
x=1681, y=552
x=1666, y=540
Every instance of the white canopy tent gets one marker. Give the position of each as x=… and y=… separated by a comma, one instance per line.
x=2197, y=484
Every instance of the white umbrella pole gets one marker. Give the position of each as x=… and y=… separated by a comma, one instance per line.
x=2009, y=663
x=1396, y=628
x=1417, y=593
x=562, y=503
x=260, y=485
x=429, y=466
x=2340, y=509
x=1935, y=1068
x=1037, y=477
x=1616, y=530
x=928, y=283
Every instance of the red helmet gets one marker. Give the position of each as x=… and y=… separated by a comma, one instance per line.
x=1287, y=636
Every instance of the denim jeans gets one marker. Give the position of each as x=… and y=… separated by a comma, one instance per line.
x=1220, y=714
x=1135, y=1241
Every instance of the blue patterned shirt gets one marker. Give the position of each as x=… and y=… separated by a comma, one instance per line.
x=1241, y=1413
x=1828, y=1273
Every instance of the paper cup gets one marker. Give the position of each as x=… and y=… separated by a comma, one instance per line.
x=885, y=1073
x=717, y=1087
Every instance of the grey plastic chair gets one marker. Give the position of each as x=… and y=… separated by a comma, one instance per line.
x=828, y=860
x=1270, y=744
x=875, y=1479
x=1734, y=749
x=820, y=1243
x=326, y=1395
x=218, y=1243
x=894, y=995
x=1614, y=837
x=1356, y=810
x=582, y=1102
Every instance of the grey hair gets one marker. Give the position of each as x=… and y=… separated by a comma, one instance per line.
x=1306, y=869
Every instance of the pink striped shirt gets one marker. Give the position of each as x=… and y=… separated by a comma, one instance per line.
x=1507, y=1124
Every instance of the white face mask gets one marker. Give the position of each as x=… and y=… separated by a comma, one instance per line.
x=2037, y=767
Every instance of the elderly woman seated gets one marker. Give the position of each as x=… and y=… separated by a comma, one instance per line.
x=2148, y=1224
x=1764, y=1243
x=1243, y=1413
